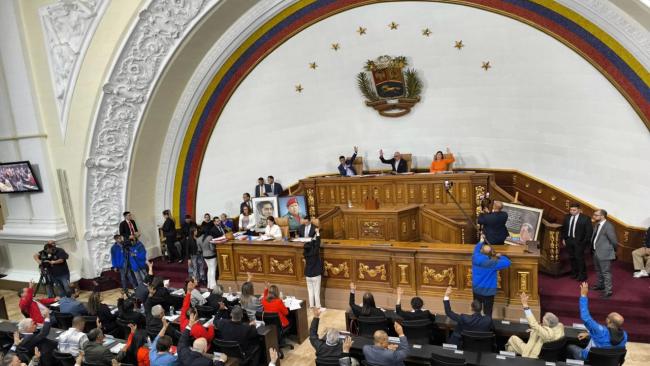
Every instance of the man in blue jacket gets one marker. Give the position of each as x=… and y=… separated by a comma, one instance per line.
x=485, y=266
x=138, y=260
x=610, y=335
x=118, y=254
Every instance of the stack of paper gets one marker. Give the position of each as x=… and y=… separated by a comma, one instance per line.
x=179, y=292
x=117, y=348
x=207, y=324
x=171, y=318
x=292, y=303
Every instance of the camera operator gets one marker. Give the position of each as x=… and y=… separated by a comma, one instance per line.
x=137, y=254
x=120, y=259
x=54, y=268
x=494, y=224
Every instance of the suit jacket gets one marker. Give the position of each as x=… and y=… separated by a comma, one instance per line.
x=540, y=334
x=494, y=226
x=275, y=189
x=606, y=243
x=385, y=357
x=310, y=234
x=189, y=357
x=243, y=333
x=169, y=230
x=96, y=353
x=350, y=162
x=474, y=322
x=124, y=229
x=414, y=315
x=583, y=229
x=356, y=309
x=323, y=350
x=401, y=166
x=38, y=339
x=250, y=207
x=258, y=190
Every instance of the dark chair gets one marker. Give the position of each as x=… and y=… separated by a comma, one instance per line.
x=123, y=328
x=369, y=324
x=63, y=320
x=606, y=356
x=65, y=359
x=553, y=351
x=273, y=320
x=444, y=360
x=327, y=361
x=418, y=331
x=479, y=341
x=206, y=311
x=91, y=323
x=233, y=350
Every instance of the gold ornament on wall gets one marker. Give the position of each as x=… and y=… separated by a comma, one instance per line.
x=313, y=65
x=336, y=46
x=459, y=45
x=426, y=32
x=337, y=269
x=299, y=88
x=361, y=30
x=486, y=65
x=393, y=26
x=429, y=274
x=378, y=270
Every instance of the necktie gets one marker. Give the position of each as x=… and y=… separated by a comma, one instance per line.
x=572, y=227
x=593, y=238
x=130, y=227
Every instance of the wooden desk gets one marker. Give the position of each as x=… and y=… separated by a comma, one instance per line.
x=422, y=269
x=399, y=223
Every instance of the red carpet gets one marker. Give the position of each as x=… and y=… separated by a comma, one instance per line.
x=631, y=299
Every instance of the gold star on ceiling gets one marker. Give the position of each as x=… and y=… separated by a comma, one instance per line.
x=313, y=65
x=336, y=46
x=426, y=32
x=459, y=45
x=361, y=31
x=393, y=26
x=299, y=88
x=486, y=65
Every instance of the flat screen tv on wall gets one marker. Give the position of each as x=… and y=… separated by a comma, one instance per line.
x=18, y=177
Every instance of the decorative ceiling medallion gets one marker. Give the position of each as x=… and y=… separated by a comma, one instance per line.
x=336, y=46
x=395, y=91
x=361, y=31
x=486, y=65
x=459, y=45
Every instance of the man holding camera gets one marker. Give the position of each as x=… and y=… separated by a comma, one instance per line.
x=120, y=258
x=53, y=264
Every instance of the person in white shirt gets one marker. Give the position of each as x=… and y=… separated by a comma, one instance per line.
x=246, y=221
x=74, y=339
x=272, y=229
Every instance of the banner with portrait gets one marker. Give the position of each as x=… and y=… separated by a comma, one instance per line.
x=264, y=207
x=294, y=208
x=523, y=223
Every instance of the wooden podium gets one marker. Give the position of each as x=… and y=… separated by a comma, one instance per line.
x=385, y=223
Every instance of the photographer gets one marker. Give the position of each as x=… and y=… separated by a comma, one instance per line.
x=138, y=259
x=494, y=224
x=119, y=255
x=53, y=264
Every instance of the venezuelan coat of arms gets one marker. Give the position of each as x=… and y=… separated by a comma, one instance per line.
x=393, y=90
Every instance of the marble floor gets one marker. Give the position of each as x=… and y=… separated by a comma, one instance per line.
x=638, y=354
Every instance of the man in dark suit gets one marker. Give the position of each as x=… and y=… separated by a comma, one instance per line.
x=494, y=224
x=247, y=202
x=576, y=233
x=31, y=338
x=261, y=189
x=306, y=229
x=94, y=350
x=346, y=167
x=397, y=164
x=169, y=232
x=128, y=228
x=474, y=322
x=416, y=305
x=276, y=188
x=604, y=244
x=243, y=333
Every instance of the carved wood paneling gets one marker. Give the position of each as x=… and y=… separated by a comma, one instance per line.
x=337, y=268
x=281, y=265
x=369, y=270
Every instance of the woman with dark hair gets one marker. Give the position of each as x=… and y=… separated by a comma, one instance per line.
x=126, y=312
x=246, y=221
x=136, y=349
x=440, y=163
x=101, y=311
x=248, y=300
x=160, y=296
x=272, y=303
x=272, y=229
x=367, y=308
x=197, y=331
x=207, y=224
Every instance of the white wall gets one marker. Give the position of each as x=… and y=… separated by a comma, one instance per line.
x=541, y=109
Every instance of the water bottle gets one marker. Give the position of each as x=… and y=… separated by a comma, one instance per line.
x=142, y=308
x=172, y=311
x=281, y=295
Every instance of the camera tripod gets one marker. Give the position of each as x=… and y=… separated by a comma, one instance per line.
x=44, y=280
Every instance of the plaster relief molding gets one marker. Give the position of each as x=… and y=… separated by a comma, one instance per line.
x=68, y=27
x=617, y=24
x=153, y=39
x=234, y=36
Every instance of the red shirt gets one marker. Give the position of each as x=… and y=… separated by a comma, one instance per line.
x=197, y=330
x=275, y=306
x=27, y=305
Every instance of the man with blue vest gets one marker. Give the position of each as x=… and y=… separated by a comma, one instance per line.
x=610, y=335
x=485, y=266
x=118, y=255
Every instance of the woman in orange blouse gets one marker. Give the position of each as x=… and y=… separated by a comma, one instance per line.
x=440, y=163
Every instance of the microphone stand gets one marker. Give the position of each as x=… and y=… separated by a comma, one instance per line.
x=467, y=217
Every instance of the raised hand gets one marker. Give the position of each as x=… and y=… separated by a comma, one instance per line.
x=400, y=291
x=316, y=312
x=273, y=354
x=194, y=318
x=133, y=327
x=398, y=329
x=347, y=344
x=353, y=287
x=37, y=353
x=381, y=152
x=448, y=291
x=16, y=338
x=31, y=283
x=356, y=149
x=583, y=335
x=524, y=299
x=584, y=289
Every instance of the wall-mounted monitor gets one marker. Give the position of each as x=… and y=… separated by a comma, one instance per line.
x=18, y=177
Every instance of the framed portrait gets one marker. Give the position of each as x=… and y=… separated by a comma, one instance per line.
x=264, y=207
x=294, y=208
x=523, y=223
x=18, y=177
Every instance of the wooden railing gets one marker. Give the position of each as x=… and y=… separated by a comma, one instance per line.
x=435, y=227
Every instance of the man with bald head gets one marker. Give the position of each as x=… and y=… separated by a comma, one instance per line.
x=197, y=355
x=604, y=244
x=486, y=264
x=381, y=353
x=550, y=330
x=610, y=335
x=494, y=223
x=397, y=164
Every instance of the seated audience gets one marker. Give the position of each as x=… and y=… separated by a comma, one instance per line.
x=226, y=224
x=160, y=354
x=74, y=339
x=306, y=229
x=610, y=335
x=127, y=313
x=243, y=333
x=246, y=198
x=440, y=163
x=550, y=330
x=246, y=221
x=95, y=307
x=198, y=330
x=159, y=294
x=136, y=349
x=475, y=322
x=155, y=320
x=248, y=300
x=142, y=291
x=198, y=354
x=34, y=309
x=272, y=303
x=68, y=303
x=416, y=304
x=216, y=298
x=33, y=338
x=346, y=167
x=398, y=165
x=191, y=288
x=641, y=258
x=381, y=353
x=94, y=350
x=368, y=307
x=272, y=230
x=328, y=348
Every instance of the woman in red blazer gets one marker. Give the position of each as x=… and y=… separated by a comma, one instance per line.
x=272, y=303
